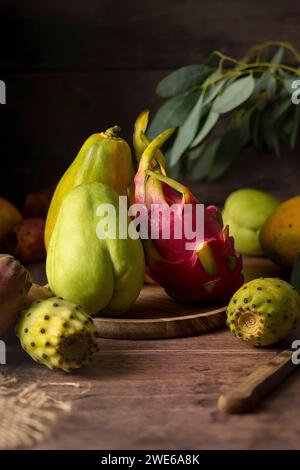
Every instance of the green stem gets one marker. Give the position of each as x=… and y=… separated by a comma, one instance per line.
x=244, y=67
x=284, y=44
x=269, y=64
x=245, y=70
x=113, y=131
x=225, y=57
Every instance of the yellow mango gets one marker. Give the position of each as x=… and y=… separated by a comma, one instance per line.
x=280, y=235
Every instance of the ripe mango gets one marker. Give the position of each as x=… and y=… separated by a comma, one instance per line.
x=245, y=211
x=100, y=274
x=280, y=235
x=105, y=158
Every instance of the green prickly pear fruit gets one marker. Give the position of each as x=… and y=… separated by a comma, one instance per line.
x=100, y=273
x=263, y=311
x=57, y=333
x=246, y=211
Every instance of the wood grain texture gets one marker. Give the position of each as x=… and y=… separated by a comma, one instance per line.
x=156, y=316
x=162, y=394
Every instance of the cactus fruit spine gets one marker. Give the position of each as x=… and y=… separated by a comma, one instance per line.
x=57, y=333
x=263, y=311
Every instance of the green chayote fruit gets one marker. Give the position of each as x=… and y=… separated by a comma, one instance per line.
x=99, y=274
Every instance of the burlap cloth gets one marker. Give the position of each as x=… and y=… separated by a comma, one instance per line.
x=28, y=415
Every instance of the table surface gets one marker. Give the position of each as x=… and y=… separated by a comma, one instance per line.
x=162, y=394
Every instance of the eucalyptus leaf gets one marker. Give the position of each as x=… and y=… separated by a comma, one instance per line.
x=257, y=131
x=271, y=84
x=212, y=90
x=234, y=95
x=253, y=101
x=194, y=153
x=283, y=73
x=288, y=83
x=260, y=85
x=277, y=57
x=264, y=83
x=187, y=132
x=280, y=108
x=202, y=168
x=244, y=126
x=270, y=134
x=288, y=125
x=172, y=113
x=177, y=170
x=209, y=124
x=182, y=80
x=227, y=152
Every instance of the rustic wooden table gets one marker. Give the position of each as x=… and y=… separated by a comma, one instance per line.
x=163, y=395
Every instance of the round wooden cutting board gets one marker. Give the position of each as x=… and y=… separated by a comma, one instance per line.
x=155, y=316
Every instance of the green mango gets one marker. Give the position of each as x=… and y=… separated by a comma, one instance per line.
x=99, y=274
x=246, y=211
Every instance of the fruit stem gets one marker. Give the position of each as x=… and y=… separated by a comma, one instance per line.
x=113, y=131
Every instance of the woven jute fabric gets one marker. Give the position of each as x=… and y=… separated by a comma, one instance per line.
x=28, y=414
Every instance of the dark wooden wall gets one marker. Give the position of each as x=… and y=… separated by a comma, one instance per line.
x=75, y=67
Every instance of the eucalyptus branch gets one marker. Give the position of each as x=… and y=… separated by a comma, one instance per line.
x=284, y=44
x=256, y=107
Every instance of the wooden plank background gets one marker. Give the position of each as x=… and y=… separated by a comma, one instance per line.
x=74, y=67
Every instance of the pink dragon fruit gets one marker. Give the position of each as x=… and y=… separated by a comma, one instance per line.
x=211, y=270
